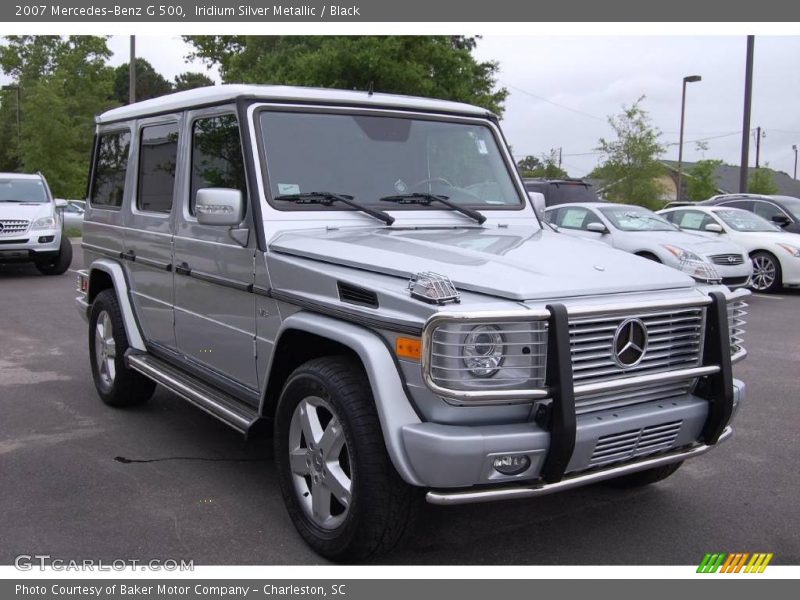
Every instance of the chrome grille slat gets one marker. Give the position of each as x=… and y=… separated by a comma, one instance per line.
x=13, y=226
x=634, y=443
x=725, y=259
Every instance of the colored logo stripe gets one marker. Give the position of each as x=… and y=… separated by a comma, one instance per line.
x=735, y=562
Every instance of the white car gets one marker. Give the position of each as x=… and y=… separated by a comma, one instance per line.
x=31, y=227
x=72, y=214
x=640, y=231
x=775, y=253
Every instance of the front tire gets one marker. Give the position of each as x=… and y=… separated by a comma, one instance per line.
x=767, y=277
x=116, y=384
x=59, y=264
x=340, y=488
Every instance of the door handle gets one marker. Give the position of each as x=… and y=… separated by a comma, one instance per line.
x=128, y=255
x=183, y=269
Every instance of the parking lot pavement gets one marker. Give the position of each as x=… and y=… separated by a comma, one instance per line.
x=210, y=497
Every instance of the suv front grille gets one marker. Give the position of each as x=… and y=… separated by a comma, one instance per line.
x=674, y=341
x=13, y=226
x=727, y=259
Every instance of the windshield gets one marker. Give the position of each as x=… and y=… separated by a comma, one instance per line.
x=742, y=220
x=636, y=218
x=372, y=157
x=22, y=190
x=791, y=204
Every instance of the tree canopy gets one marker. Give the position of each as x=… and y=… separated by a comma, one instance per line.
x=545, y=166
x=761, y=182
x=701, y=183
x=630, y=162
x=432, y=66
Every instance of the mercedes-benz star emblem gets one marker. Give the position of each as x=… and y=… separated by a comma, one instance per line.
x=630, y=343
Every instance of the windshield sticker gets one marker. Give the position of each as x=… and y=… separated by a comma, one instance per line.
x=400, y=186
x=288, y=188
x=482, y=149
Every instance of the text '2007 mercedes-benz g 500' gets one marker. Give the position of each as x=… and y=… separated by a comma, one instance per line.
x=364, y=272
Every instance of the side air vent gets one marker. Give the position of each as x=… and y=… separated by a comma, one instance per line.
x=357, y=295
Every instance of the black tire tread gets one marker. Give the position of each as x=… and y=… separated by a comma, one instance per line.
x=60, y=263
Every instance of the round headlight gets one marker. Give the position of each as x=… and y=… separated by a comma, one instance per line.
x=483, y=351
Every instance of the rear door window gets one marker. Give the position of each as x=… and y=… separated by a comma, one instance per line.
x=158, y=154
x=110, y=168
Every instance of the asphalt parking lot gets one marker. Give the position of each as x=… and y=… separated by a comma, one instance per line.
x=208, y=496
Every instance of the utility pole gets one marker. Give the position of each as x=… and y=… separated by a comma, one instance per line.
x=15, y=88
x=687, y=79
x=759, y=135
x=560, y=149
x=132, y=72
x=748, y=97
x=794, y=147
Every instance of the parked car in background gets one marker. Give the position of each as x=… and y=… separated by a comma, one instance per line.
x=561, y=191
x=31, y=227
x=72, y=213
x=775, y=254
x=640, y=231
x=784, y=211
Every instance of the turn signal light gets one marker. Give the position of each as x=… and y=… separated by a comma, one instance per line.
x=408, y=348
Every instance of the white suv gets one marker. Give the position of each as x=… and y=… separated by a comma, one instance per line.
x=31, y=228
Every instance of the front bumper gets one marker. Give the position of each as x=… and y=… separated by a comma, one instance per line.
x=31, y=246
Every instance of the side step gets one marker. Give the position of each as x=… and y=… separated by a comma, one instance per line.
x=218, y=404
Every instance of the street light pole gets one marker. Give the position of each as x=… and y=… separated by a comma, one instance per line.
x=748, y=100
x=132, y=72
x=794, y=147
x=687, y=79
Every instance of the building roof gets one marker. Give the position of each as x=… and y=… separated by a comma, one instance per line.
x=230, y=92
x=727, y=178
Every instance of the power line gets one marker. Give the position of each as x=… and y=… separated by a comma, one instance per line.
x=543, y=99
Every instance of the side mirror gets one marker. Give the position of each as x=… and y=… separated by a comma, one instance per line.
x=597, y=228
x=781, y=220
x=714, y=228
x=61, y=204
x=219, y=206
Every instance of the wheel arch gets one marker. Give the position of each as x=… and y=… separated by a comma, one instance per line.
x=107, y=274
x=328, y=336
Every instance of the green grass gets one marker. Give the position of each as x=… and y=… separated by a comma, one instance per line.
x=73, y=232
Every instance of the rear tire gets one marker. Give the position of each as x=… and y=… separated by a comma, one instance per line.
x=116, y=384
x=340, y=487
x=59, y=264
x=642, y=478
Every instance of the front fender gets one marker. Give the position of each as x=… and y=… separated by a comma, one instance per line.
x=393, y=407
x=117, y=274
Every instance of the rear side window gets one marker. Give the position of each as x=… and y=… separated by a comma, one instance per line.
x=216, y=156
x=158, y=153
x=111, y=164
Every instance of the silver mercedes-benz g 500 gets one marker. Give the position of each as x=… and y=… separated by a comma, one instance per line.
x=364, y=272
x=31, y=224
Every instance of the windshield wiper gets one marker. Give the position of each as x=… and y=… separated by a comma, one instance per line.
x=328, y=198
x=425, y=199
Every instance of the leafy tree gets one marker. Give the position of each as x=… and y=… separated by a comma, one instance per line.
x=630, y=162
x=191, y=80
x=149, y=82
x=761, y=182
x=528, y=165
x=702, y=183
x=546, y=166
x=64, y=82
x=432, y=66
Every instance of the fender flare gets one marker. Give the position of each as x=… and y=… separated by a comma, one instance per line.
x=391, y=403
x=120, y=283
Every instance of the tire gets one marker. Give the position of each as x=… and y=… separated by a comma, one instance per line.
x=331, y=397
x=642, y=478
x=116, y=384
x=767, y=277
x=59, y=264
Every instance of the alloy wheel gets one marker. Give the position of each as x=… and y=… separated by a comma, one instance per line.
x=764, y=273
x=105, y=348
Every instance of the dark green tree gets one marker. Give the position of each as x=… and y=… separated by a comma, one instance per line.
x=761, y=182
x=701, y=183
x=630, y=163
x=432, y=66
x=191, y=80
x=149, y=82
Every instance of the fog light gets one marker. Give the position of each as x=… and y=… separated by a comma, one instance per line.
x=511, y=464
x=46, y=239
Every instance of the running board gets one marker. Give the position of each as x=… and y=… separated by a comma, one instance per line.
x=218, y=404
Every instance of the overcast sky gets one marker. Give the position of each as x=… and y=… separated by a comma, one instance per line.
x=562, y=89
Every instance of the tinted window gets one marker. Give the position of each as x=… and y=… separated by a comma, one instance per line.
x=111, y=164
x=767, y=210
x=743, y=204
x=216, y=156
x=158, y=153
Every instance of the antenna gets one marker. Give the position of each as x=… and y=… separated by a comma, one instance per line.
x=371, y=90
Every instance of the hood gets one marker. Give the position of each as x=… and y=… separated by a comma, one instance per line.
x=516, y=263
x=689, y=241
x=26, y=211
